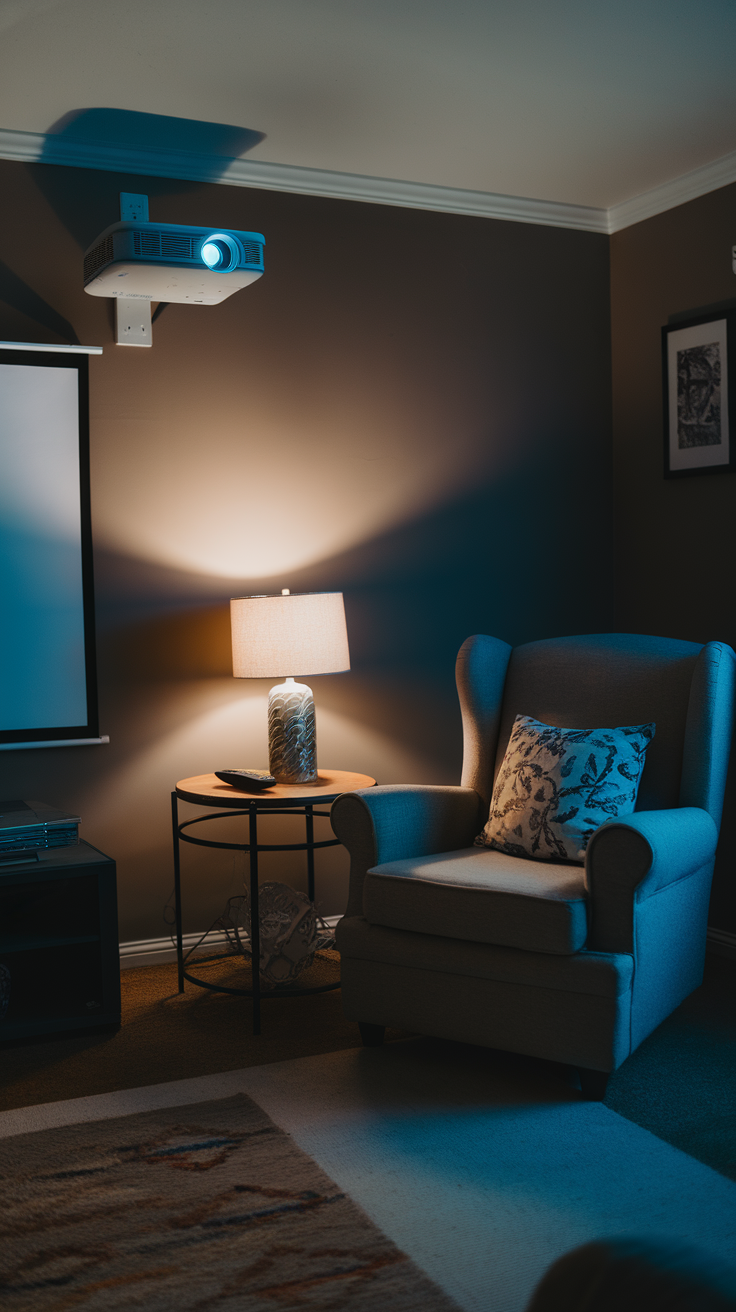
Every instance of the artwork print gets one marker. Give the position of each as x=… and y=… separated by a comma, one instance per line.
x=698, y=395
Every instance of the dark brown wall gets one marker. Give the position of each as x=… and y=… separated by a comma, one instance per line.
x=675, y=538
x=413, y=408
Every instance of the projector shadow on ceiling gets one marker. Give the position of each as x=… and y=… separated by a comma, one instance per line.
x=160, y=134
x=130, y=144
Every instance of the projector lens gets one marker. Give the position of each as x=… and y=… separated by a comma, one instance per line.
x=220, y=252
x=211, y=254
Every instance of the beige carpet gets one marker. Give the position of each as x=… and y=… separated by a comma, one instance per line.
x=170, y=1036
x=199, y=1207
x=482, y=1167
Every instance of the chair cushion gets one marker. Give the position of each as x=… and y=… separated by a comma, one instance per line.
x=557, y=786
x=482, y=896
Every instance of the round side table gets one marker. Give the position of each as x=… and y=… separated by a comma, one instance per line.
x=281, y=799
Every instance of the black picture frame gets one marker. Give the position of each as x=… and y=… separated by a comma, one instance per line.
x=699, y=393
x=89, y=730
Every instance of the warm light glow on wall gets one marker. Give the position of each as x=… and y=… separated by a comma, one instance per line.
x=257, y=501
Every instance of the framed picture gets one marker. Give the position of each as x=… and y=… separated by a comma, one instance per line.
x=699, y=395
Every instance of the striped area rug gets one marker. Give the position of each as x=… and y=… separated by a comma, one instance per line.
x=208, y=1206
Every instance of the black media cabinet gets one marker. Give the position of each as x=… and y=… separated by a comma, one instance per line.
x=59, y=942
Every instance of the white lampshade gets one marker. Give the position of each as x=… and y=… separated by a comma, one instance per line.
x=297, y=634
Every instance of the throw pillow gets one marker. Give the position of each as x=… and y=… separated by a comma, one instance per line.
x=556, y=786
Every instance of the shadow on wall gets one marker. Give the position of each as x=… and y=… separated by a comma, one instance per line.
x=20, y=297
x=126, y=135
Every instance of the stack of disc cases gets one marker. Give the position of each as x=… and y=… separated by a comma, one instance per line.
x=32, y=826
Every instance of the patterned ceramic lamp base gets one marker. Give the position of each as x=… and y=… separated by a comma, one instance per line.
x=292, y=734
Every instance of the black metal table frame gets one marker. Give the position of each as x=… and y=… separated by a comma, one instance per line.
x=252, y=847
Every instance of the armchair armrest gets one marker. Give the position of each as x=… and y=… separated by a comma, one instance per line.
x=630, y=859
x=397, y=821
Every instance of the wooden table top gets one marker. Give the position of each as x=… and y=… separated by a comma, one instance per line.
x=208, y=790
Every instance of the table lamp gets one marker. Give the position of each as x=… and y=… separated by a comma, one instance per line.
x=295, y=633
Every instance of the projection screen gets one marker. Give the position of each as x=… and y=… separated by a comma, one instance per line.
x=48, y=686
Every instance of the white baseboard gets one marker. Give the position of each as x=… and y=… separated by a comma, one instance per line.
x=157, y=951
x=721, y=943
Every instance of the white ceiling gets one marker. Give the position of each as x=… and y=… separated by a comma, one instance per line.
x=586, y=102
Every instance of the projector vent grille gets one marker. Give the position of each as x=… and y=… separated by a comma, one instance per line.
x=97, y=257
x=147, y=243
x=253, y=253
x=166, y=245
x=179, y=248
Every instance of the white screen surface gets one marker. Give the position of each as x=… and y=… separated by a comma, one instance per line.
x=42, y=648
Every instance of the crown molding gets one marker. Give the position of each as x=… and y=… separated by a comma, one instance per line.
x=414, y=195
x=38, y=148
x=709, y=177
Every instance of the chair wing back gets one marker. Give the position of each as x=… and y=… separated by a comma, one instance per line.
x=609, y=680
x=606, y=680
x=480, y=674
x=708, y=729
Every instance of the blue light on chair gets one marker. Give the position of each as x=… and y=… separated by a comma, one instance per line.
x=570, y=963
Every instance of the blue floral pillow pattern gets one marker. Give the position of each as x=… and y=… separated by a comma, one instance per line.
x=556, y=786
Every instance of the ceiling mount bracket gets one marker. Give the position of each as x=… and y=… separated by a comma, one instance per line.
x=133, y=321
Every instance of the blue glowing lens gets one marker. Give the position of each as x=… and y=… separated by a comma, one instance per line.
x=212, y=255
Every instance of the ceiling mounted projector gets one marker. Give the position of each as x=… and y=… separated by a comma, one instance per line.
x=168, y=262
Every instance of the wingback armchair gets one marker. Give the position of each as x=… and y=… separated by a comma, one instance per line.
x=573, y=963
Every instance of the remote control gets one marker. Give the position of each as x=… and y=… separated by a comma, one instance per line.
x=248, y=781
